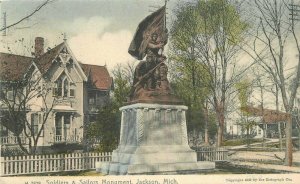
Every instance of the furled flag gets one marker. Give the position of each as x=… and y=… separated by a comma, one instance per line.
x=154, y=23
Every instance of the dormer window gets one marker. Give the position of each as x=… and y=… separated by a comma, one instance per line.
x=63, y=87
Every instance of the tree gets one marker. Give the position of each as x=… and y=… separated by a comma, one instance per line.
x=274, y=31
x=244, y=90
x=123, y=80
x=208, y=32
x=17, y=99
x=106, y=128
x=193, y=93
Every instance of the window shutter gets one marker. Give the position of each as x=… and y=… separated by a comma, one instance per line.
x=72, y=92
x=54, y=92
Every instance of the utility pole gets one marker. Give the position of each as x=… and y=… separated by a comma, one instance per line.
x=295, y=16
x=4, y=24
x=294, y=12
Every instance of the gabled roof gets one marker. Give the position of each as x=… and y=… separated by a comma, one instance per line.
x=98, y=76
x=13, y=67
x=44, y=62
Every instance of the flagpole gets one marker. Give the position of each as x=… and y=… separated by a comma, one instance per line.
x=165, y=23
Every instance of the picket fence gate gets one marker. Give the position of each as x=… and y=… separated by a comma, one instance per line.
x=30, y=164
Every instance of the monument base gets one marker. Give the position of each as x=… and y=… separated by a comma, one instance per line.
x=154, y=160
x=153, y=139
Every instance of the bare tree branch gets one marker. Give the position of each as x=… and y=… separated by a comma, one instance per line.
x=28, y=16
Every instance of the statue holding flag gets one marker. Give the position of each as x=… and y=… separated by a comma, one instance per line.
x=150, y=81
x=153, y=131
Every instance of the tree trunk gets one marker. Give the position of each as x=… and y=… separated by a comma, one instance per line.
x=280, y=136
x=262, y=109
x=220, y=130
x=33, y=150
x=279, y=124
x=289, y=144
x=206, y=136
x=248, y=140
x=21, y=145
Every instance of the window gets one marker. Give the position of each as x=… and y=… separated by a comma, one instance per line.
x=58, y=125
x=62, y=125
x=9, y=95
x=36, y=123
x=72, y=89
x=3, y=131
x=63, y=87
x=55, y=92
x=92, y=98
x=72, y=92
x=67, y=125
x=66, y=88
x=59, y=87
x=91, y=101
x=100, y=96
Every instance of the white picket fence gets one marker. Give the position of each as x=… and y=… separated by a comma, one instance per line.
x=20, y=165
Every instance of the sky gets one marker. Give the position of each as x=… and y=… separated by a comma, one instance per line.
x=98, y=31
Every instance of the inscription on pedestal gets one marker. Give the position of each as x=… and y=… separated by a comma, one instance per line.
x=153, y=126
x=153, y=139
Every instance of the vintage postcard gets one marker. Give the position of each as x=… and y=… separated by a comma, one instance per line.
x=149, y=91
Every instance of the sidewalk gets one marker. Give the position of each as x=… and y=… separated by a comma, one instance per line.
x=244, y=155
x=253, y=144
x=267, y=166
x=265, y=160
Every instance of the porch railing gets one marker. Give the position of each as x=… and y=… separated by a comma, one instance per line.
x=62, y=139
x=12, y=140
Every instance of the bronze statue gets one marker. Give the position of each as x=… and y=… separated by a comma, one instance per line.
x=150, y=83
x=153, y=59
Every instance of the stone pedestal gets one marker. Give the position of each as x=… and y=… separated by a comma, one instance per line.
x=153, y=139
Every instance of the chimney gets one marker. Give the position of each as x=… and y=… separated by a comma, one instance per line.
x=39, y=47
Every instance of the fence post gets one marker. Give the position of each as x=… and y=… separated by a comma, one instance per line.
x=2, y=166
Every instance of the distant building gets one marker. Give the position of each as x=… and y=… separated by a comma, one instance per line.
x=77, y=91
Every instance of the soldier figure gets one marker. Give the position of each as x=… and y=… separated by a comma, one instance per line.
x=153, y=58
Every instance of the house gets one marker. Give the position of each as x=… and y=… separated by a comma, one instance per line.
x=74, y=93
